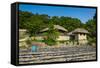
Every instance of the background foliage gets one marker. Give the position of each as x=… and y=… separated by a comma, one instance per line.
x=35, y=22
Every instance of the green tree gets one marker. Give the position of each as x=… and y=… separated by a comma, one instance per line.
x=55, y=20
x=70, y=23
x=34, y=25
x=23, y=18
x=52, y=34
x=91, y=27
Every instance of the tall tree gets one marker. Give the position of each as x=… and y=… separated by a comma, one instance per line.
x=70, y=23
x=23, y=18
x=35, y=24
x=91, y=27
x=52, y=34
x=55, y=20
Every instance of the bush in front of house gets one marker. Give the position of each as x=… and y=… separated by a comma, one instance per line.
x=92, y=41
x=50, y=41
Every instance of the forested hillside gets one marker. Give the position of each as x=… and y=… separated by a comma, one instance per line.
x=35, y=22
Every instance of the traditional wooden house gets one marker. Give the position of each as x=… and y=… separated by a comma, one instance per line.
x=63, y=32
x=79, y=35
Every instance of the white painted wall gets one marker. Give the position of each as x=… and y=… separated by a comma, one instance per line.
x=39, y=37
x=63, y=38
x=82, y=37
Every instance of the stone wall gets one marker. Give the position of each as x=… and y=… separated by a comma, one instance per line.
x=58, y=54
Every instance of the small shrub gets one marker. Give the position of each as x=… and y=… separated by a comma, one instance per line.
x=49, y=41
x=91, y=41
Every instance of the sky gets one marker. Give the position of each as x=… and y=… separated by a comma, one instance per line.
x=84, y=14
